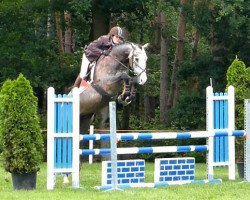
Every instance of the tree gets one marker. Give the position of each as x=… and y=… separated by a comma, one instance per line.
x=164, y=74
x=181, y=29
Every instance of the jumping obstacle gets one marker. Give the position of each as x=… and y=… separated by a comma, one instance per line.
x=211, y=162
x=63, y=136
x=168, y=171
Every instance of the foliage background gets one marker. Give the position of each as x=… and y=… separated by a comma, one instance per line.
x=30, y=45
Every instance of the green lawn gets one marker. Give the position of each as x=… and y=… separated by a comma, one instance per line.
x=91, y=176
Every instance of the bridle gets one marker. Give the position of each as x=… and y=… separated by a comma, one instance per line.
x=132, y=61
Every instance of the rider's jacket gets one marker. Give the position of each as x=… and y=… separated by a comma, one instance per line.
x=95, y=48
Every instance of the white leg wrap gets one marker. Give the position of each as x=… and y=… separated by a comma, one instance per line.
x=84, y=66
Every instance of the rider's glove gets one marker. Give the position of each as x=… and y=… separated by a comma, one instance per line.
x=105, y=52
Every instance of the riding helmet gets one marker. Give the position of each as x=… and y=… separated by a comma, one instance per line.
x=117, y=31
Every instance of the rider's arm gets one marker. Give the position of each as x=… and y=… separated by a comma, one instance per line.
x=95, y=48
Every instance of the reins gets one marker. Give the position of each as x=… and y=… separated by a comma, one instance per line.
x=121, y=63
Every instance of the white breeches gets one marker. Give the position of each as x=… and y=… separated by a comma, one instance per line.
x=84, y=66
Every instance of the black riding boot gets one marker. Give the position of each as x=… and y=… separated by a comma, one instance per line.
x=77, y=81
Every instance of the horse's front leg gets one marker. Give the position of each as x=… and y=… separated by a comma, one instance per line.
x=133, y=90
x=130, y=92
x=125, y=98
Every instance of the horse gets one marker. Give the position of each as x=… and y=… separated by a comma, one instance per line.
x=125, y=65
x=107, y=77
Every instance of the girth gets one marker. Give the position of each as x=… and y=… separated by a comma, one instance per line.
x=105, y=96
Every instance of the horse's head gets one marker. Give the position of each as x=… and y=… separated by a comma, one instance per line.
x=137, y=61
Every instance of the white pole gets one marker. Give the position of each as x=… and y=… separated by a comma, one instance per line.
x=210, y=128
x=231, y=139
x=113, y=144
x=91, y=132
x=247, y=143
x=76, y=140
x=50, y=139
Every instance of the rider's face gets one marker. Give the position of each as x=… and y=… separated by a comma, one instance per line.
x=117, y=39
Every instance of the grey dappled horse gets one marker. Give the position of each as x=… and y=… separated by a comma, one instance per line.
x=122, y=70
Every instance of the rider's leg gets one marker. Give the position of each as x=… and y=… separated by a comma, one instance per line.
x=83, y=71
x=84, y=67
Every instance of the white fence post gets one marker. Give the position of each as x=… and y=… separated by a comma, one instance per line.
x=210, y=128
x=247, y=142
x=231, y=127
x=50, y=139
x=76, y=140
x=113, y=144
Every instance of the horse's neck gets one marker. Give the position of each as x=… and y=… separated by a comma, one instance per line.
x=121, y=52
x=110, y=67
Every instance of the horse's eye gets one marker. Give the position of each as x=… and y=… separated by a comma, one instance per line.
x=136, y=59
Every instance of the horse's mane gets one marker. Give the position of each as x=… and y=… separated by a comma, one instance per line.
x=121, y=48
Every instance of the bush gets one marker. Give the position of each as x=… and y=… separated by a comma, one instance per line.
x=19, y=127
x=238, y=75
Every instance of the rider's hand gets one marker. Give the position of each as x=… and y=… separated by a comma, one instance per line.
x=105, y=52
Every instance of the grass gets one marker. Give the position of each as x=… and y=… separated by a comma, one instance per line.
x=91, y=176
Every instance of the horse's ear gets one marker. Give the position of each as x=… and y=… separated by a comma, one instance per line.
x=133, y=45
x=130, y=53
x=146, y=46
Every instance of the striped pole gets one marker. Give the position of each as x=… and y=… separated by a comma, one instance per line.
x=144, y=150
x=164, y=135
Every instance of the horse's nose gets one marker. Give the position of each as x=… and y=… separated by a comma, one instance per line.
x=142, y=79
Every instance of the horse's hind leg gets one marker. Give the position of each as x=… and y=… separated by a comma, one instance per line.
x=85, y=121
x=104, y=124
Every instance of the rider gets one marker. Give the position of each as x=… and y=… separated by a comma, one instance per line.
x=101, y=46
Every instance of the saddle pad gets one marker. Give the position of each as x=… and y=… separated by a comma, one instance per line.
x=83, y=86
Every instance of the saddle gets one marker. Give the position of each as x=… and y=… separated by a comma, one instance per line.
x=85, y=83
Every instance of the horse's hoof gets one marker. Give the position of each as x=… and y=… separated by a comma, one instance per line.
x=128, y=100
x=124, y=102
